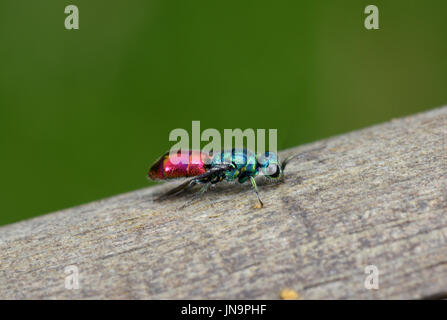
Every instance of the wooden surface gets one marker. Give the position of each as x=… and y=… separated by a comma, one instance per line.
x=371, y=197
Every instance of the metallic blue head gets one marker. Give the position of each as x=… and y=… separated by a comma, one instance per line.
x=270, y=165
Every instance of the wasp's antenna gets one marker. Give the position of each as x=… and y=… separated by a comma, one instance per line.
x=299, y=155
x=285, y=162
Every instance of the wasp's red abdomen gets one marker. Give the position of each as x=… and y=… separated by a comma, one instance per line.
x=184, y=163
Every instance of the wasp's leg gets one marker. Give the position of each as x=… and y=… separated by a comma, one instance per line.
x=208, y=180
x=203, y=178
x=253, y=182
x=181, y=188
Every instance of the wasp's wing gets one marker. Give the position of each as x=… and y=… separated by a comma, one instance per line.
x=203, y=178
x=182, y=187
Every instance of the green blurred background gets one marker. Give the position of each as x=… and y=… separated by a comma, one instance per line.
x=83, y=113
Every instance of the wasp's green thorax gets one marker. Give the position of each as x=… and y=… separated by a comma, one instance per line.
x=243, y=161
x=246, y=164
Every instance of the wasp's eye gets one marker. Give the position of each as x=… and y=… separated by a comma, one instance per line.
x=273, y=170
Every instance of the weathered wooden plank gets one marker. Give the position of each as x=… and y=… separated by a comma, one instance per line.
x=371, y=197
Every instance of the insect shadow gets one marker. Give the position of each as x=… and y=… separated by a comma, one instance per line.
x=214, y=191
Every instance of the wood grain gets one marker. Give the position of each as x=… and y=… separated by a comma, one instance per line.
x=371, y=197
